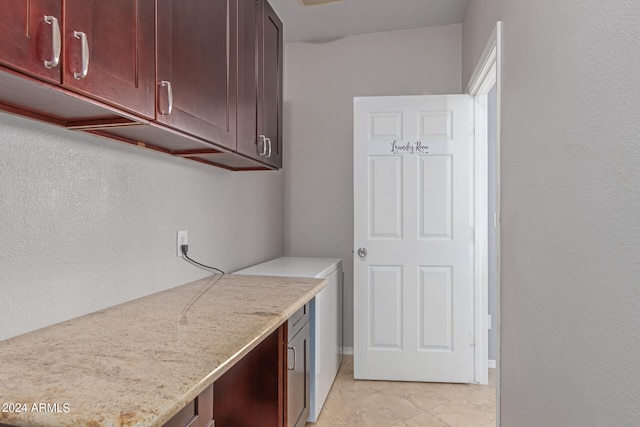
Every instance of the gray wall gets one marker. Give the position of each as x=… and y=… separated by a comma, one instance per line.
x=479, y=23
x=570, y=157
x=88, y=223
x=321, y=80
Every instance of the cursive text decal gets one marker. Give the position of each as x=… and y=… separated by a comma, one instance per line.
x=409, y=148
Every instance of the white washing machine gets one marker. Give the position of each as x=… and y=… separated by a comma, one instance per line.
x=325, y=319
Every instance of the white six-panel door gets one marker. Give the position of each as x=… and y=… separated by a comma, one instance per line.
x=413, y=237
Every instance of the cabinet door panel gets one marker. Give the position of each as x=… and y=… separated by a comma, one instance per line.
x=248, y=78
x=121, y=42
x=196, y=55
x=270, y=84
x=27, y=40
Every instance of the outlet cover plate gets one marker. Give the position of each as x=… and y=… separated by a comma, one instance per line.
x=181, y=239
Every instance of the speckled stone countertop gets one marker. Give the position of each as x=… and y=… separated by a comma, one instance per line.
x=139, y=363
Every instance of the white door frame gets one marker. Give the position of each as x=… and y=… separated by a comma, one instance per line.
x=486, y=74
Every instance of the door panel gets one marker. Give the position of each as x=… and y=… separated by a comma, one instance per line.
x=386, y=197
x=120, y=40
x=413, y=213
x=435, y=125
x=436, y=310
x=27, y=40
x=436, y=193
x=197, y=56
x=385, y=289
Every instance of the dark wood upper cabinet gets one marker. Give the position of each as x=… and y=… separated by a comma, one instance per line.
x=260, y=82
x=31, y=37
x=109, y=52
x=198, y=79
x=196, y=68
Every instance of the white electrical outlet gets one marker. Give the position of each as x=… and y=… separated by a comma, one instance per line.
x=182, y=239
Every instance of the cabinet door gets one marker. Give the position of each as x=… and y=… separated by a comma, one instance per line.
x=196, y=58
x=251, y=392
x=270, y=84
x=298, y=385
x=28, y=40
x=109, y=52
x=260, y=82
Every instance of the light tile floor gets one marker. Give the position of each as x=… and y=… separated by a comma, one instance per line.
x=354, y=403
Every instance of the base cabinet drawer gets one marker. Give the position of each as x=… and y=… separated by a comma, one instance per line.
x=297, y=321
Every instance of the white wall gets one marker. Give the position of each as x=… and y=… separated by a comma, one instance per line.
x=321, y=80
x=570, y=158
x=88, y=223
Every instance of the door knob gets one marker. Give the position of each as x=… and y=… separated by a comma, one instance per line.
x=362, y=252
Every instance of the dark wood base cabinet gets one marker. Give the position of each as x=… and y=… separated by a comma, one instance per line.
x=250, y=394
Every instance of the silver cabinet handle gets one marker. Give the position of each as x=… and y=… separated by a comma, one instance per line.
x=262, y=148
x=167, y=84
x=85, y=55
x=362, y=252
x=294, y=359
x=56, y=43
x=269, y=144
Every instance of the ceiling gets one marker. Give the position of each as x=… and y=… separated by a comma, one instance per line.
x=352, y=17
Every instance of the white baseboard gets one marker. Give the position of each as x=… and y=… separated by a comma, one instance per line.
x=492, y=364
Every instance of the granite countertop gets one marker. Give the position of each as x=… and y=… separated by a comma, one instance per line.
x=139, y=363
